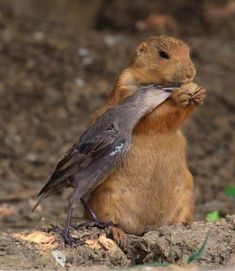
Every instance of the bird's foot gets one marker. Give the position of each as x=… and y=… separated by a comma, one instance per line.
x=68, y=239
x=97, y=223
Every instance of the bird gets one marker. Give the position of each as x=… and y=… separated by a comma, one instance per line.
x=100, y=150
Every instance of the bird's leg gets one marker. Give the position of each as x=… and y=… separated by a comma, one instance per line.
x=66, y=231
x=95, y=222
x=88, y=209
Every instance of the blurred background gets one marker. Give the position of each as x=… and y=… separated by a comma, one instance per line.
x=58, y=62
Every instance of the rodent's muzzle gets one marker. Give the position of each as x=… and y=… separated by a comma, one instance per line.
x=191, y=72
x=185, y=74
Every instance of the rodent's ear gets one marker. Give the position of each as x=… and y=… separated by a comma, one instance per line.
x=141, y=48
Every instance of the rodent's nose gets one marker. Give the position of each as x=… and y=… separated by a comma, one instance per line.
x=191, y=72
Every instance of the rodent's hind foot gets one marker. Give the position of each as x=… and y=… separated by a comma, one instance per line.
x=118, y=235
x=112, y=230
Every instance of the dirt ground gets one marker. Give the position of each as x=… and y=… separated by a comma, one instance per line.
x=43, y=248
x=52, y=77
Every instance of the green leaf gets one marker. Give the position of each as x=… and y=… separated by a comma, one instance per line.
x=195, y=256
x=213, y=216
x=230, y=191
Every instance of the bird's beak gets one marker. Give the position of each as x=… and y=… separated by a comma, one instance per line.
x=169, y=89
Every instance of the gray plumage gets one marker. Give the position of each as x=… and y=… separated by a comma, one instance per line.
x=102, y=147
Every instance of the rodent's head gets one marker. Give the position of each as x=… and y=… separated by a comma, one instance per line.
x=163, y=60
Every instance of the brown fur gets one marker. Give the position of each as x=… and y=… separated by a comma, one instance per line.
x=154, y=186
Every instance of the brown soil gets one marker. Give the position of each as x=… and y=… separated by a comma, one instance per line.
x=174, y=244
x=51, y=79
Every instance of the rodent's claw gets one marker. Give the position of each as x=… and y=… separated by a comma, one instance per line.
x=181, y=97
x=118, y=235
x=199, y=96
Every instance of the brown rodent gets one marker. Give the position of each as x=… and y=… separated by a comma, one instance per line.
x=153, y=186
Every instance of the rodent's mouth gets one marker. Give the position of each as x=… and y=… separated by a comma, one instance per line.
x=178, y=83
x=165, y=84
x=186, y=81
x=171, y=84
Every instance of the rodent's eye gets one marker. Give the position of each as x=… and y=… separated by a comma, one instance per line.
x=163, y=54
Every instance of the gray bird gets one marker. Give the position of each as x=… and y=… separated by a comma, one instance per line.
x=101, y=149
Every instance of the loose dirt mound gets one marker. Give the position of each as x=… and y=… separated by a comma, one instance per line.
x=43, y=248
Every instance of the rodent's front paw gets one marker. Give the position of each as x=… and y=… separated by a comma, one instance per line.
x=199, y=96
x=189, y=94
x=181, y=97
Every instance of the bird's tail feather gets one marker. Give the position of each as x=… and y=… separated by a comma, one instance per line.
x=50, y=191
x=39, y=201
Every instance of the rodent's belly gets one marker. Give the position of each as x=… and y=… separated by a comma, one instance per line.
x=144, y=191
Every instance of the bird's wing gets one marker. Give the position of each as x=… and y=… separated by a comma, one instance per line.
x=93, y=143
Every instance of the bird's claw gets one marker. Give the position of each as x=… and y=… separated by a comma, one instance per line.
x=68, y=239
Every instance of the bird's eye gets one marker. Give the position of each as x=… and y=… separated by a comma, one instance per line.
x=164, y=54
